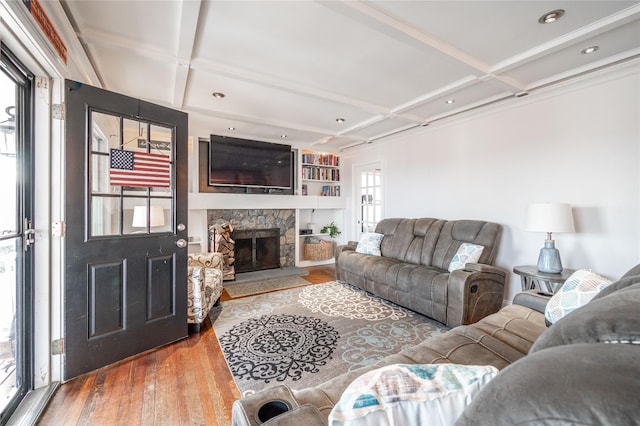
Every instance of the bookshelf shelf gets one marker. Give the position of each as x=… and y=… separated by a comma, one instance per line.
x=320, y=174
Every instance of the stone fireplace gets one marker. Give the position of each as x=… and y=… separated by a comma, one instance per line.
x=258, y=234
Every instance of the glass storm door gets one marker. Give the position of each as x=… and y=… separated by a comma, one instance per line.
x=370, y=197
x=16, y=236
x=126, y=214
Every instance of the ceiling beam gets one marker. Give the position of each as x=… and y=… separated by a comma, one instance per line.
x=187, y=31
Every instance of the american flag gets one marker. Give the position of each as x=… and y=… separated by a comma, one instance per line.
x=133, y=168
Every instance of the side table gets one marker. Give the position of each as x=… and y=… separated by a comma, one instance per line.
x=533, y=279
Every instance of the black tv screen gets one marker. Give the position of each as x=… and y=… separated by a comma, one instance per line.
x=249, y=163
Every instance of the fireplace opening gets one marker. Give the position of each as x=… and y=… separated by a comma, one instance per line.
x=256, y=249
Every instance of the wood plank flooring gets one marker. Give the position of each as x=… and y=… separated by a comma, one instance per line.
x=184, y=383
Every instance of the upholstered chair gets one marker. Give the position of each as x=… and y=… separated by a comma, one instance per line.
x=204, y=286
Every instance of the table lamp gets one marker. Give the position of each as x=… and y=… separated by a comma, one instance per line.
x=549, y=218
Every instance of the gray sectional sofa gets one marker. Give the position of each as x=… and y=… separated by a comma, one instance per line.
x=413, y=268
x=584, y=369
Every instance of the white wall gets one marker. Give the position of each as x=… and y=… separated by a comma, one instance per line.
x=579, y=145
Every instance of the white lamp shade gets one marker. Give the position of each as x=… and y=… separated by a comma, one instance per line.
x=140, y=216
x=549, y=217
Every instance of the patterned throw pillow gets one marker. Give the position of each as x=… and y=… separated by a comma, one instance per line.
x=467, y=253
x=370, y=244
x=410, y=394
x=579, y=289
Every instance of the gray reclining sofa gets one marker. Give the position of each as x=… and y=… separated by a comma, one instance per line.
x=413, y=268
x=584, y=369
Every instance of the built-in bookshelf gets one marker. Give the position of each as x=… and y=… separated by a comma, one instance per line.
x=320, y=174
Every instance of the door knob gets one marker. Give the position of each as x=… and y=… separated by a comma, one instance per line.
x=182, y=243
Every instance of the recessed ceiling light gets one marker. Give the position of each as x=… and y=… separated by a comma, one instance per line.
x=450, y=101
x=218, y=95
x=231, y=128
x=550, y=17
x=589, y=49
x=340, y=120
x=283, y=136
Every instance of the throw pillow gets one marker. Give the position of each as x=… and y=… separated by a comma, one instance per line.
x=467, y=252
x=370, y=243
x=410, y=394
x=579, y=289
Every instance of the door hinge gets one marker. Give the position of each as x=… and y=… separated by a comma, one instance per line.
x=57, y=229
x=57, y=347
x=58, y=111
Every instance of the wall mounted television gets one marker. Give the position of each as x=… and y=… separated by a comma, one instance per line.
x=249, y=163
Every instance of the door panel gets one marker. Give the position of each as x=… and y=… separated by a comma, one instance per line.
x=161, y=299
x=126, y=188
x=106, y=298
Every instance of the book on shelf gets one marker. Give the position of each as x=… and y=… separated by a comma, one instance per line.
x=330, y=191
x=329, y=160
x=319, y=173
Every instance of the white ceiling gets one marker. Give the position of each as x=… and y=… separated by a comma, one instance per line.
x=293, y=67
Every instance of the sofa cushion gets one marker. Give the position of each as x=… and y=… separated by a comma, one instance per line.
x=456, y=232
x=399, y=394
x=467, y=253
x=626, y=281
x=577, y=291
x=613, y=318
x=582, y=384
x=370, y=243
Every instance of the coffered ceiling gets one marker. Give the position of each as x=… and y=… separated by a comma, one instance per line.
x=294, y=67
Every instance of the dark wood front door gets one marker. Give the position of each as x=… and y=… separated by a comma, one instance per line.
x=126, y=215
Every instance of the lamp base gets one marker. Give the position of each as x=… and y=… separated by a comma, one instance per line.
x=549, y=259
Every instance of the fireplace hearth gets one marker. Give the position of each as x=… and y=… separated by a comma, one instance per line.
x=256, y=249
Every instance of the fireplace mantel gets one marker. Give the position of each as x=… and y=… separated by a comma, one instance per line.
x=203, y=201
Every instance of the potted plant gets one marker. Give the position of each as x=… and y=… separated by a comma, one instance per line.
x=330, y=229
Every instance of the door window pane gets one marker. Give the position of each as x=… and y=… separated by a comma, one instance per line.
x=105, y=216
x=161, y=140
x=105, y=132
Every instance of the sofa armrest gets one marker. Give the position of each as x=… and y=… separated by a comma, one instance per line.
x=208, y=260
x=350, y=246
x=473, y=293
x=533, y=299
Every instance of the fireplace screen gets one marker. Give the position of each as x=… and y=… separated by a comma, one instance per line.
x=256, y=249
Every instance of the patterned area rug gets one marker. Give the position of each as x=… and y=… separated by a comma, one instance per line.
x=304, y=336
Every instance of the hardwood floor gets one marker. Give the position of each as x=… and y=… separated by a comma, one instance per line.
x=184, y=383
